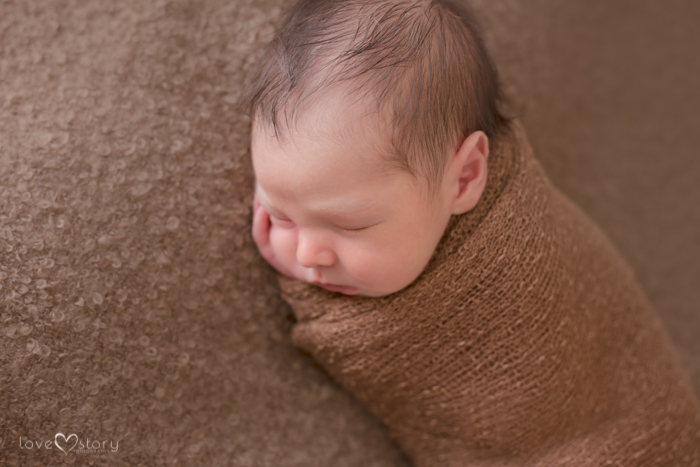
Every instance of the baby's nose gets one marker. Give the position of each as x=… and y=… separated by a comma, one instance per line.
x=312, y=251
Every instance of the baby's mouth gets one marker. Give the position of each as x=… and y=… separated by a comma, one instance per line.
x=337, y=288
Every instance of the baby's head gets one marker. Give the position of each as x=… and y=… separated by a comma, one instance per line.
x=371, y=127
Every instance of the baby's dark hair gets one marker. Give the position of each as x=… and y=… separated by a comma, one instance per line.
x=422, y=62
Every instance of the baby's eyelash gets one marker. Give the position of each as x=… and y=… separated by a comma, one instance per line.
x=357, y=230
x=277, y=219
x=288, y=221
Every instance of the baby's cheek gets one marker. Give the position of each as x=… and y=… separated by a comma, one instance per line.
x=283, y=242
x=385, y=267
x=365, y=267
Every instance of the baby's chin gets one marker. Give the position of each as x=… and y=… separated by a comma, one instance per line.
x=338, y=288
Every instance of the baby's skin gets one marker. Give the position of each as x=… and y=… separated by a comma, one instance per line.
x=329, y=210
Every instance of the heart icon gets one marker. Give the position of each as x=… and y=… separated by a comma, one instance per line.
x=65, y=440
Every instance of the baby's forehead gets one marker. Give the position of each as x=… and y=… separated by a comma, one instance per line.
x=338, y=119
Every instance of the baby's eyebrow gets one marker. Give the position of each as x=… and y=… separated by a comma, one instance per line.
x=335, y=212
x=267, y=206
x=344, y=211
x=275, y=212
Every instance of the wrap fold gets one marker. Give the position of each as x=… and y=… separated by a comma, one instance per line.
x=526, y=340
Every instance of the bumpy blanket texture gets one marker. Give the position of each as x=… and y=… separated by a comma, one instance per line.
x=134, y=308
x=525, y=341
x=133, y=304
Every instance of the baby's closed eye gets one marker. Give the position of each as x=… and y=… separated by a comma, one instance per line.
x=357, y=229
x=281, y=222
x=289, y=224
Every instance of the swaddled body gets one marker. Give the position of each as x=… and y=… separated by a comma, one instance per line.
x=526, y=341
x=470, y=306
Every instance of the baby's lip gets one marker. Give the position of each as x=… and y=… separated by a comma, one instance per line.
x=336, y=288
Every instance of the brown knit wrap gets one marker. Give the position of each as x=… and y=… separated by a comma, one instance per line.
x=525, y=341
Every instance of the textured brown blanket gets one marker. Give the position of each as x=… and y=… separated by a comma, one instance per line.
x=201, y=374
x=526, y=341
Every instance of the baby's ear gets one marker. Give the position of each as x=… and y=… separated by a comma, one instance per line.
x=469, y=172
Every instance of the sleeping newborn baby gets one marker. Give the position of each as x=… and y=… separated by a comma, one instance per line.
x=433, y=269
x=355, y=194
x=330, y=209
